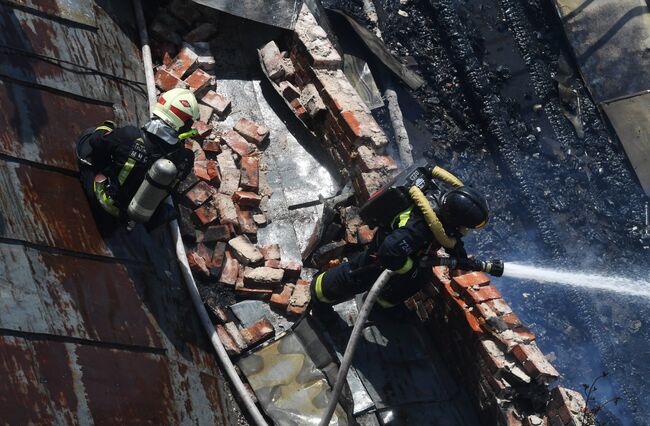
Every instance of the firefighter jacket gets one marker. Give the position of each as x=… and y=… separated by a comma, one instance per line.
x=125, y=154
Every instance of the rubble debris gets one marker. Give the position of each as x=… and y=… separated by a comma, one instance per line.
x=245, y=251
x=271, y=252
x=263, y=277
x=251, y=131
x=232, y=329
x=218, y=102
x=258, y=332
x=230, y=271
x=299, y=299
x=272, y=60
x=280, y=297
x=232, y=348
x=237, y=143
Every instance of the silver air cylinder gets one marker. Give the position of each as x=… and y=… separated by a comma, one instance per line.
x=153, y=190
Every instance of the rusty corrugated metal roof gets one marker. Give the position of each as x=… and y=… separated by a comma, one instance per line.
x=92, y=329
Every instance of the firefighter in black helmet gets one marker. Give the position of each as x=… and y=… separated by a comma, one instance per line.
x=406, y=241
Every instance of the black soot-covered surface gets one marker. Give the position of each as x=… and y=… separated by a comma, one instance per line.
x=557, y=200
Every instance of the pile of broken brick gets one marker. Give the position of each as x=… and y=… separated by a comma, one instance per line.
x=220, y=202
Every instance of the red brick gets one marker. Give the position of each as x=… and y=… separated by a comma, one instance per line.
x=280, y=297
x=218, y=102
x=237, y=143
x=247, y=199
x=441, y=275
x=246, y=223
x=187, y=183
x=208, y=171
x=251, y=131
x=499, y=306
x=368, y=160
x=569, y=405
x=367, y=184
x=218, y=256
x=185, y=59
x=468, y=280
x=365, y=234
x=213, y=234
x=205, y=113
x=213, y=172
x=483, y=294
x=245, y=251
x=492, y=355
x=511, y=320
x=250, y=174
x=299, y=300
x=289, y=91
x=262, y=277
x=166, y=81
x=211, y=147
x=195, y=147
x=272, y=60
x=232, y=329
x=228, y=342
x=257, y=332
x=312, y=100
x=197, y=265
x=229, y=180
x=227, y=210
x=352, y=124
x=534, y=362
x=484, y=311
x=200, y=193
x=273, y=263
x=218, y=311
x=230, y=270
x=203, y=128
x=199, y=81
x=299, y=109
x=205, y=215
x=252, y=293
x=271, y=251
x=292, y=270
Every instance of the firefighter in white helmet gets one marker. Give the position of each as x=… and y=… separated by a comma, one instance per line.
x=114, y=160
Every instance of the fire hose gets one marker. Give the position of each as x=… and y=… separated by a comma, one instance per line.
x=360, y=323
x=228, y=366
x=493, y=267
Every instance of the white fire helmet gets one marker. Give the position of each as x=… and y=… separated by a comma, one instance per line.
x=177, y=107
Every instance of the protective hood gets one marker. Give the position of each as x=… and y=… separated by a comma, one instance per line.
x=159, y=128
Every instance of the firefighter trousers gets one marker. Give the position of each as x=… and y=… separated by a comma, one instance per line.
x=358, y=274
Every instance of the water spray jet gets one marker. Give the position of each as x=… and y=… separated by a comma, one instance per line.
x=576, y=279
x=498, y=268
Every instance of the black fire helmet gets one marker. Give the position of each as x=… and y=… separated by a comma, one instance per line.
x=464, y=207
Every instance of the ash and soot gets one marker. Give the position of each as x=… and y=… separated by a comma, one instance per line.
x=560, y=187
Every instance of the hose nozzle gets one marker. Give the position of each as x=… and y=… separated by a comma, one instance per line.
x=493, y=267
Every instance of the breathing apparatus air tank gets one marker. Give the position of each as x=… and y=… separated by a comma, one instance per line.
x=152, y=191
